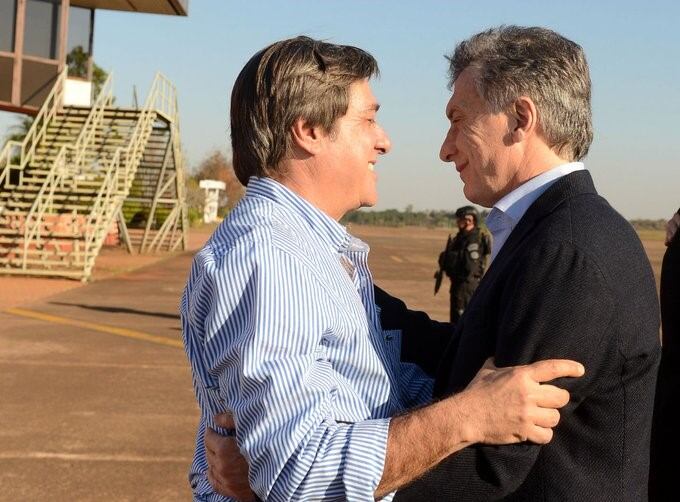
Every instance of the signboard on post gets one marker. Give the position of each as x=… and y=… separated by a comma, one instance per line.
x=212, y=194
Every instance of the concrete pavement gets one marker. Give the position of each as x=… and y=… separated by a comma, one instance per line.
x=90, y=414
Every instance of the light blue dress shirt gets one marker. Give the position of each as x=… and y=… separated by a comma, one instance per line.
x=281, y=329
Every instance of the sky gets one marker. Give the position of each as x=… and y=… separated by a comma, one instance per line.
x=633, y=49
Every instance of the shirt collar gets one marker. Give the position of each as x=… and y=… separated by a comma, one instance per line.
x=516, y=203
x=329, y=230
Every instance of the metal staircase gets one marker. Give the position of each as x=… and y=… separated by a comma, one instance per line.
x=80, y=170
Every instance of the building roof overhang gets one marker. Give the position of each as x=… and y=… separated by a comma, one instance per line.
x=169, y=7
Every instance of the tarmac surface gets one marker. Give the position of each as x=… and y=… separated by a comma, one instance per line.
x=96, y=401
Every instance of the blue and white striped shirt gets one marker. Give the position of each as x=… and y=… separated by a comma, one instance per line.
x=281, y=328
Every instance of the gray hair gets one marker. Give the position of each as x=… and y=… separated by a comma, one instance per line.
x=298, y=78
x=514, y=61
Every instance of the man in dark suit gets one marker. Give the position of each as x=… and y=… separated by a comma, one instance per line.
x=568, y=278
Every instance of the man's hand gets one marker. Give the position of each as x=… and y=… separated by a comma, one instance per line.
x=500, y=406
x=672, y=227
x=227, y=469
x=510, y=405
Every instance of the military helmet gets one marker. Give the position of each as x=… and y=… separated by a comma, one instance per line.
x=462, y=212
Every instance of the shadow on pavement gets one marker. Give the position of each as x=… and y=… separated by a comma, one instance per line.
x=117, y=310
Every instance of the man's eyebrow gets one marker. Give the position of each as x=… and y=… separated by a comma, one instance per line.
x=450, y=110
x=373, y=108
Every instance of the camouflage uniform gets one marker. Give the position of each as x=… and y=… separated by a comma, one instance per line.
x=463, y=261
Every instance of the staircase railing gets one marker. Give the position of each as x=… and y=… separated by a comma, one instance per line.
x=123, y=167
x=68, y=162
x=162, y=97
x=101, y=214
x=92, y=124
x=119, y=173
x=10, y=152
x=35, y=135
x=181, y=183
x=35, y=220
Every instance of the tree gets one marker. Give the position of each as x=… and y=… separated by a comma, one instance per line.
x=77, y=61
x=20, y=129
x=215, y=166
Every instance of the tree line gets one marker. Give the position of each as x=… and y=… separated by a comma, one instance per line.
x=217, y=166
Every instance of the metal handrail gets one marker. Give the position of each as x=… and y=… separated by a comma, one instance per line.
x=93, y=225
x=181, y=184
x=8, y=153
x=47, y=112
x=34, y=219
x=120, y=169
x=93, y=122
x=123, y=166
x=36, y=133
x=60, y=167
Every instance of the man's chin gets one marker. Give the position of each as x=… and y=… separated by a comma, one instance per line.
x=475, y=198
x=369, y=199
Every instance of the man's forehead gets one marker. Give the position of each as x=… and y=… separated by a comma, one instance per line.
x=455, y=103
x=362, y=98
x=464, y=92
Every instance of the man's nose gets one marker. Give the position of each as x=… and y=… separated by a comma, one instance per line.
x=384, y=145
x=447, y=149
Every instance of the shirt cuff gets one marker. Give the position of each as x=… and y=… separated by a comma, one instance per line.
x=365, y=458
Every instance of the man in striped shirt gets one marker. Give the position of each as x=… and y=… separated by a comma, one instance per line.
x=279, y=316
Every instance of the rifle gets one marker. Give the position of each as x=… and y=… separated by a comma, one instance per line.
x=439, y=274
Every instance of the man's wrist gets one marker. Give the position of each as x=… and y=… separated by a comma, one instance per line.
x=465, y=423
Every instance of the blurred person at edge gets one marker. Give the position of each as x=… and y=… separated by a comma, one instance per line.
x=665, y=443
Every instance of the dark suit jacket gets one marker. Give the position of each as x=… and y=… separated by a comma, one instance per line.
x=572, y=281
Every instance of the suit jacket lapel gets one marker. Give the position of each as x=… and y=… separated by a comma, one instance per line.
x=571, y=185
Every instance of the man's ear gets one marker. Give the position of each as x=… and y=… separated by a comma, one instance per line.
x=525, y=117
x=306, y=137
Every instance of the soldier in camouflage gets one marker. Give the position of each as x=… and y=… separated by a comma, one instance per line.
x=464, y=259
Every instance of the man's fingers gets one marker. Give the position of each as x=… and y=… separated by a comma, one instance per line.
x=224, y=420
x=544, y=371
x=211, y=440
x=214, y=482
x=212, y=456
x=540, y=435
x=213, y=465
x=546, y=417
x=550, y=396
